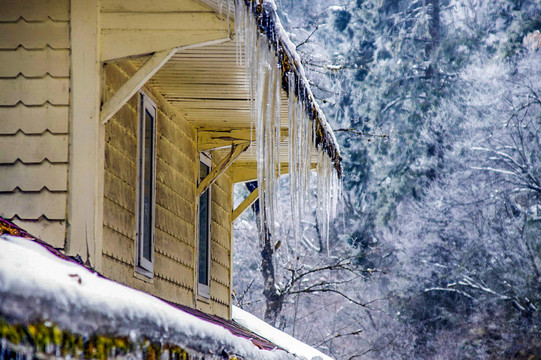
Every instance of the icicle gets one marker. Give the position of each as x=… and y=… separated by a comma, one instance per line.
x=239, y=31
x=228, y=9
x=251, y=57
x=3, y=346
x=264, y=74
x=269, y=142
x=328, y=191
x=278, y=125
x=293, y=136
x=259, y=82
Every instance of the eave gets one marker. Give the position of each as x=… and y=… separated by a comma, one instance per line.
x=209, y=88
x=201, y=73
x=268, y=24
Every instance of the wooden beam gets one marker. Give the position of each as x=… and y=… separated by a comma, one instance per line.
x=119, y=44
x=222, y=166
x=247, y=171
x=219, y=138
x=130, y=87
x=161, y=21
x=162, y=6
x=243, y=171
x=249, y=200
x=215, y=139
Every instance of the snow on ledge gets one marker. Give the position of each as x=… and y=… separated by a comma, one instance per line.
x=36, y=285
x=276, y=336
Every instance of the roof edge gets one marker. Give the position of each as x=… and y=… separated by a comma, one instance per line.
x=269, y=25
x=278, y=337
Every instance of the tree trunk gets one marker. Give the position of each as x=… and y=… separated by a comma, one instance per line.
x=434, y=27
x=274, y=300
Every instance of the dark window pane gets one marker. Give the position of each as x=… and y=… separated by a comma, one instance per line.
x=203, y=171
x=148, y=185
x=204, y=235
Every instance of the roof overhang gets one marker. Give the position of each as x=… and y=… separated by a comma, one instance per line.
x=203, y=71
x=209, y=87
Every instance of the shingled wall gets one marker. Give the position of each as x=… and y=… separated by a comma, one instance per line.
x=34, y=115
x=175, y=227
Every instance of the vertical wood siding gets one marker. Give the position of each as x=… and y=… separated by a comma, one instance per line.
x=34, y=113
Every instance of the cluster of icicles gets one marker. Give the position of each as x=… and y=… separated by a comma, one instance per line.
x=263, y=69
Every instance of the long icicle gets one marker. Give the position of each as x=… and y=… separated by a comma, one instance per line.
x=258, y=55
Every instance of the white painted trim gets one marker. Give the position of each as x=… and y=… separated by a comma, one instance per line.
x=134, y=83
x=142, y=265
x=204, y=289
x=86, y=159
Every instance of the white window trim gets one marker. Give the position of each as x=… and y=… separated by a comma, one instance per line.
x=204, y=289
x=142, y=265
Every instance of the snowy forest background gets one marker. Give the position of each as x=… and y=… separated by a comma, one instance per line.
x=436, y=249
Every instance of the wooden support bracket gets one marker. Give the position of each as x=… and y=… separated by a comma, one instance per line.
x=222, y=166
x=130, y=87
x=247, y=171
x=211, y=139
x=219, y=138
x=250, y=199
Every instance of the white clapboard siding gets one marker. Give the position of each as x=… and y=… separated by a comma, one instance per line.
x=34, y=35
x=51, y=231
x=34, y=113
x=34, y=91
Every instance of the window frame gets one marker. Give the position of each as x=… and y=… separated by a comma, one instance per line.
x=143, y=265
x=202, y=288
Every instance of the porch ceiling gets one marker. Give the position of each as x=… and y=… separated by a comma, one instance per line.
x=208, y=87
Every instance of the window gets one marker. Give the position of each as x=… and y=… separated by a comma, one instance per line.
x=204, y=229
x=146, y=184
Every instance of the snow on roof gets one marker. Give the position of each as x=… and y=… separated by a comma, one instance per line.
x=276, y=336
x=37, y=285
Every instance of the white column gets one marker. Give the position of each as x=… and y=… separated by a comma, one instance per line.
x=86, y=161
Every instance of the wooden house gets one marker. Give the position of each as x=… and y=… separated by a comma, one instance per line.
x=126, y=123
